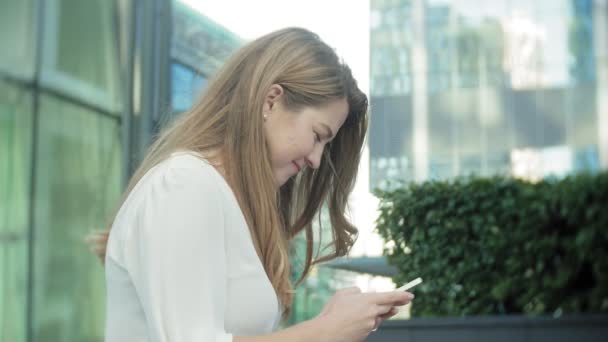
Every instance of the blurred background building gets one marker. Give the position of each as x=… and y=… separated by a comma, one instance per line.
x=463, y=87
x=512, y=87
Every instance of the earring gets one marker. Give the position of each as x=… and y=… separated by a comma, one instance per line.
x=265, y=116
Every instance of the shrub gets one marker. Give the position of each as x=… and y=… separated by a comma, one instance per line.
x=500, y=245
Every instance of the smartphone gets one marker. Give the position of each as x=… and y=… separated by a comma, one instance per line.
x=410, y=284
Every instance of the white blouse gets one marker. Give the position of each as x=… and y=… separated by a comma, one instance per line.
x=181, y=264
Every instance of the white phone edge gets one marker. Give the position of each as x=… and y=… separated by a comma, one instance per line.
x=410, y=284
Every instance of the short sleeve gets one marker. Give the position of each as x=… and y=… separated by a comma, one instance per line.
x=176, y=257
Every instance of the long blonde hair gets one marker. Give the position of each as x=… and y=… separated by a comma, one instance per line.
x=228, y=119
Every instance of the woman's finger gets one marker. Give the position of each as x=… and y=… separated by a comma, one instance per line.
x=378, y=321
x=389, y=314
x=392, y=297
x=383, y=309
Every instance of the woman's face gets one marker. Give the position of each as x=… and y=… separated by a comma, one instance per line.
x=296, y=139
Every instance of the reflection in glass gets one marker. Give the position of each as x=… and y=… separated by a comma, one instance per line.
x=199, y=41
x=185, y=87
x=80, y=51
x=15, y=166
x=17, y=34
x=78, y=181
x=322, y=282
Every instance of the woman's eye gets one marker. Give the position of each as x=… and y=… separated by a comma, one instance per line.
x=317, y=137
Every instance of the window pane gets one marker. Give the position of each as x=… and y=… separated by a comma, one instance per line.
x=80, y=50
x=15, y=166
x=181, y=79
x=78, y=181
x=390, y=139
x=17, y=29
x=582, y=110
x=198, y=41
x=185, y=87
x=443, y=134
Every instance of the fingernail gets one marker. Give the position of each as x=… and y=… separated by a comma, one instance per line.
x=411, y=296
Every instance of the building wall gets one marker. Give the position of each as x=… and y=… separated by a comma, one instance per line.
x=199, y=47
x=500, y=87
x=84, y=86
x=60, y=164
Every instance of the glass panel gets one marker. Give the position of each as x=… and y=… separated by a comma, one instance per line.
x=522, y=8
x=78, y=181
x=316, y=290
x=581, y=43
x=390, y=139
x=443, y=134
x=467, y=117
x=123, y=27
x=185, y=87
x=554, y=51
x=181, y=80
x=322, y=282
x=554, y=5
x=582, y=111
x=551, y=115
x=15, y=166
x=523, y=117
x=17, y=37
x=199, y=41
x=497, y=131
x=80, y=54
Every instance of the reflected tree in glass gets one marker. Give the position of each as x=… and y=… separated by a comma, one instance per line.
x=78, y=181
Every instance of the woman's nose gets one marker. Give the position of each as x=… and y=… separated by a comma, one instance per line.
x=313, y=160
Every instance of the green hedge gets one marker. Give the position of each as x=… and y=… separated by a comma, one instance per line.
x=500, y=245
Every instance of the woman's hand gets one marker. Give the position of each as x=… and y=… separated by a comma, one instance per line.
x=351, y=315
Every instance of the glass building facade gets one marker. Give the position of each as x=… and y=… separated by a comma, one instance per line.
x=511, y=87
x=84, y=85
x=199, y=47
x=61, y=103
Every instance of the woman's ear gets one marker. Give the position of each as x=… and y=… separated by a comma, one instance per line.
x=272, y=97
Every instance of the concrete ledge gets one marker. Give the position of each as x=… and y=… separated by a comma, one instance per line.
x=577, y=328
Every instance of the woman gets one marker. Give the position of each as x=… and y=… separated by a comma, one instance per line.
x=199, y=248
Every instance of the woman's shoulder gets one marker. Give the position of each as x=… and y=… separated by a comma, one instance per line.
x=187, y=160
x=185, y=167
x=180, y=171
x=182, y=184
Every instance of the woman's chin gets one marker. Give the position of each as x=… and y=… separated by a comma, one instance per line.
x=279, y=180
x=282, y=179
